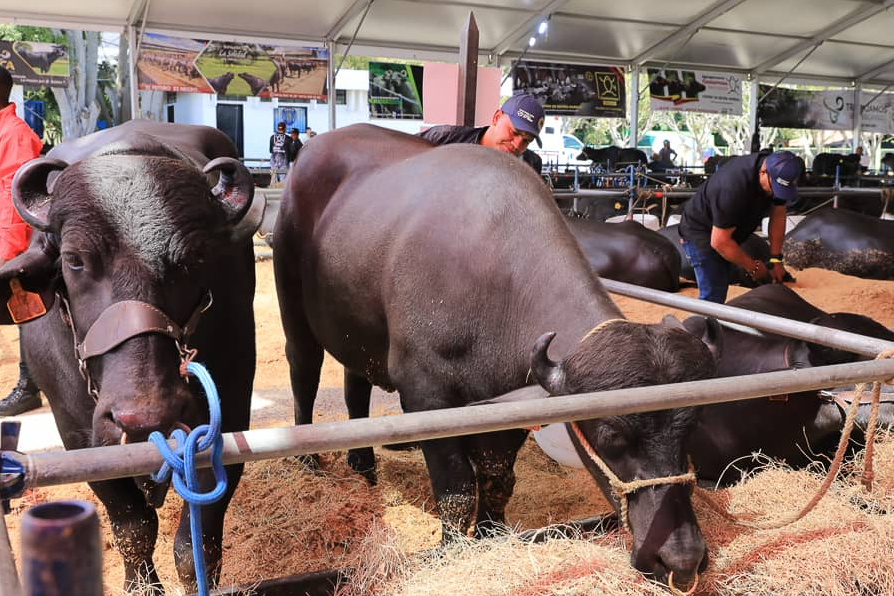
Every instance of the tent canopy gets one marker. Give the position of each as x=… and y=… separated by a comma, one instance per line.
x=834, y=41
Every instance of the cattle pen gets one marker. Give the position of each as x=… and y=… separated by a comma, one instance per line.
x=46, y=469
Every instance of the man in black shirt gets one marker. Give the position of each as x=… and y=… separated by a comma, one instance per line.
x=280, y=149
x=727, y=208
x=512, y=128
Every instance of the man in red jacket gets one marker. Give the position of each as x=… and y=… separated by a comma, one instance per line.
x=19, y=144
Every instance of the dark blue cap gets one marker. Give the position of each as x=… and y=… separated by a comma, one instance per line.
x=526, y=113
x=784, y=168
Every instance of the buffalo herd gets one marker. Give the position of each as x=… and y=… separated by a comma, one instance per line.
x=468, y=284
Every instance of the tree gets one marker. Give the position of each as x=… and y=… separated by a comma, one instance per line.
x=78, y=105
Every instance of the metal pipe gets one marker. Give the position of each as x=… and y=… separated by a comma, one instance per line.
x=843, y=340
x=684, y=193
x=521, y=408
x=61, y=554
x=9, y=577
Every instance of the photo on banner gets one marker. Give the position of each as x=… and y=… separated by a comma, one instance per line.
x=801, y=108
x=573, y=89
x=36, y=63
x=182, y=65
x=395, y=90
x=695, y=91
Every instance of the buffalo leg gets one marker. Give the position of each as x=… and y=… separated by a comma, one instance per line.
x=453, y=484
x=493, y=455
x=357, y=395
x=135, y=527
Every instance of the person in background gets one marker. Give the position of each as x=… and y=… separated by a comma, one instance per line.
x=727, y=208
x=513, y=126
x=280, y=149
x=18, y=144
x=295, y=146
x=863, y=158
x=667, y=155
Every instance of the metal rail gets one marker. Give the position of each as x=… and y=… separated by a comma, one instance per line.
x=684, y=193
x=522, y=408
x=844, y=340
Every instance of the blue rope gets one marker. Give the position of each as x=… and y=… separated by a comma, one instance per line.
x=180, y=463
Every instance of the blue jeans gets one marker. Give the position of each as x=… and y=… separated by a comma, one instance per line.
x=712, y=272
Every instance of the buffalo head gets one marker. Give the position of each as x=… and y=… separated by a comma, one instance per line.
x=620, y=354
x=130, y=230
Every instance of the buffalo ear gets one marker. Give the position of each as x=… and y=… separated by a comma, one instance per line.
x=550, y=375
x=32, y=190
x=28, y=282
x=709, y=331
x=236, y=192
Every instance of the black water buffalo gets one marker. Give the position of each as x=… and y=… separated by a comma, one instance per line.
x=255, y=83
x=40, y=59
x=220, y=84
x=612, y=157
x=844, y=241
x=144, y=231
x=825, y=165
x=756, y=247
x=787, y=427
x=628, y=252
x=445, y=286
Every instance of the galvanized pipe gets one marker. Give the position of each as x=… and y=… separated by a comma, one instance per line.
x=103, y=463
x=843, y=340
x=61, y=553
x=684, y=193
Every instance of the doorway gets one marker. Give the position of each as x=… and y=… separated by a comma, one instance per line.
x=229, y=122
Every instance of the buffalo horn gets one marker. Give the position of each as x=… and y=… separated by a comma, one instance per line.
x=235, y=190
x=550, y=375
x=30, y=190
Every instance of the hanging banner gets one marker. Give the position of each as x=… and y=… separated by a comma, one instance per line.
x=878, y=116
x=695, y=91
x=573, y=89
x=231, y=68
x=35, y=63
x=395, y=91
x=818, y=110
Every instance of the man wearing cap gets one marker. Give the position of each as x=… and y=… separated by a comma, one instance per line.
x=727, y=208
x=512, y=128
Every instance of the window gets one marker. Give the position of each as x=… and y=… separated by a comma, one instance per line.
x=341, y=97
x=572, y=143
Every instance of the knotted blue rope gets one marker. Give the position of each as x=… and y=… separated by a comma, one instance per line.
x=180, y=462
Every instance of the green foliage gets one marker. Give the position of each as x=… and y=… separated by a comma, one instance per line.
x=352, y=62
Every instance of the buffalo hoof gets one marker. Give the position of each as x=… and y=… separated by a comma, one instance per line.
x=363, y=461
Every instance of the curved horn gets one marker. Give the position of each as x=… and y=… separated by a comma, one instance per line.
x=235, y=188
x=550, y=375
x=31, y=190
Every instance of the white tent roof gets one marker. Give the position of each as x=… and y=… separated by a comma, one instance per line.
x=839, y=41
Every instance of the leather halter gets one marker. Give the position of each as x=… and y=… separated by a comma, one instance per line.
x=124, y=320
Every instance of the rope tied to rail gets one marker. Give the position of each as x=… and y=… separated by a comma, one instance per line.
x=180, y=467
x=867, y=476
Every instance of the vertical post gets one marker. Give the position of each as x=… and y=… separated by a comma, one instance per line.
x=858, y=117
x=468, y=73
x=634, y=106
x=330, y=82
x=135, y=111
x=61, y=553
x=752, y=104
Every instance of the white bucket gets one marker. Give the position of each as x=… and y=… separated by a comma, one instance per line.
x=649, y=221
x=673, y=220
x=553, y=439
x=791, y=221
x=887, y=215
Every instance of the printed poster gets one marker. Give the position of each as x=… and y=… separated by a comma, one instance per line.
x=395, y=90
x=796, y=108
x=878, y=116
x=573, y=89
x=695, y=91
x=169, y=63
x=36, y=63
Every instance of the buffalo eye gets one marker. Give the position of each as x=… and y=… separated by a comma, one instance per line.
x=610, y=441
x=73, y=261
